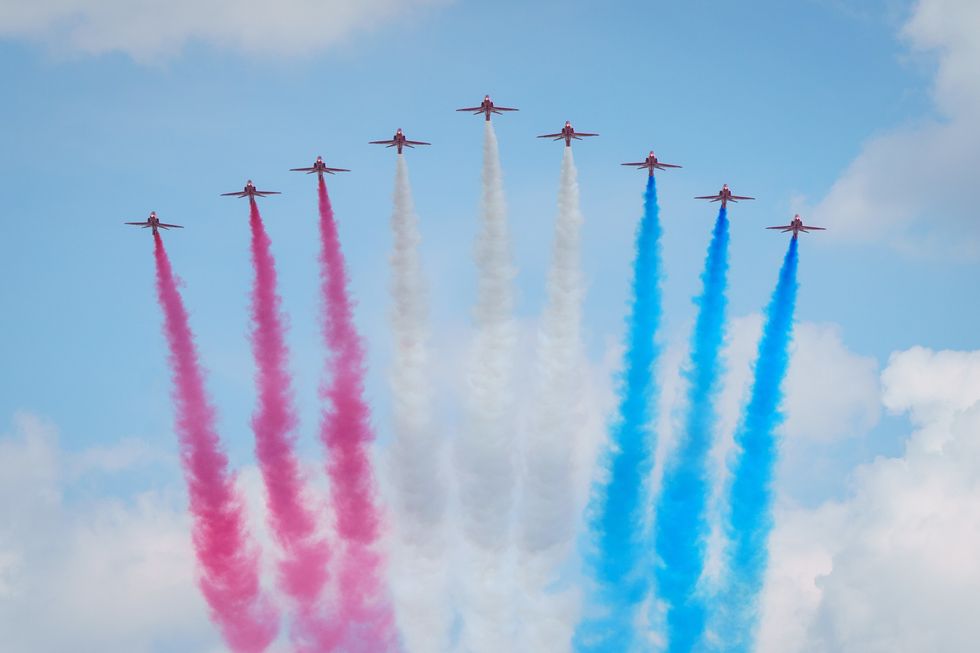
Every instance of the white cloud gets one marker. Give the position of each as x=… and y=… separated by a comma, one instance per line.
x=933, y=386
x=831, y=392
x=106, y=575
x=153, y=29
x=894, y=567
x=123, y=455
x=914, y=187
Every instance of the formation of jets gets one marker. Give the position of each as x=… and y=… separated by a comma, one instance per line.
x=488, y=108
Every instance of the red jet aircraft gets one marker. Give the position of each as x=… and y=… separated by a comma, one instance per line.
x=487, y=107
x=251, y=191
x=796, y=226
x=652, y=163
x=319, y=167
x=567, y=133
x=399, y=141
x=725, y=196
x=154, y=223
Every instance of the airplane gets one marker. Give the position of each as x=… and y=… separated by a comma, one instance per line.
x=725, y=195
x=651, y=163
x=796, y=226
x=399, y=141
x=154, y=222
x=487, y=107
x=251, y=192
x=567, y=133
x=319, y=167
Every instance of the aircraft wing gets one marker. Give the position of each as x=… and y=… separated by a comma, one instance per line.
x=333, y=170
x=170, y=226
x=741, y=197
x=638, y=163
x=559, y=135
x=263, y=193
x=808, y=228
x=505, y=109
x=470, y=109
x=306, y=170
x=713, y=198
x=235, y=194
x=138, y=224
x=389, y=143
x=668, y=165
x=782, y=226
x=417, y=143
x=585, y=134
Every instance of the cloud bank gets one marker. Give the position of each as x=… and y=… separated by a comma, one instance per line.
x=148, y=30
x=914, y=187
x=890, y=567
x=894, y=567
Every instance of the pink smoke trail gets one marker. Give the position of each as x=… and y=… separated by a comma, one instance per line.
x=303, y=568
x=227, y=559
x=346, y=433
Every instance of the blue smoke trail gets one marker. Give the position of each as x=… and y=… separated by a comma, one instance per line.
x=682, y=526
x=619, y=503
x=750, y=517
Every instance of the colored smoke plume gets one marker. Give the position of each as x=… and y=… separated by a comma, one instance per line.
x=681, y=527
x=619, y=560
x=364, y=604
x=303, y=568
x=415, y=456
x=750, y=495
x=227, y=559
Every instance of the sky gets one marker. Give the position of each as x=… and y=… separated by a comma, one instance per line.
x=858, y=115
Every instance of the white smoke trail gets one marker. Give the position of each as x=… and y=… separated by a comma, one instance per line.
x=485, y=449
x=416, y=463
x=555, y=427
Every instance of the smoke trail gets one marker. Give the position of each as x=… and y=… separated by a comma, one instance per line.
x=619, y=504
x=750, y=518
x=303, y=569
x=346, y=433
x=485, y=449
x=228, y=560
x=415, y=455
x=681, y=521
x=548, y=518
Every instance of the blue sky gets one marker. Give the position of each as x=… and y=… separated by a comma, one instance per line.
x=775, y=98
x=757, y=97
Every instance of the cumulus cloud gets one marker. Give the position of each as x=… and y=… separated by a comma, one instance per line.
x=153, y=29
x=831, y=392
x=103, y=575
x=894, y=567
x=914, y=187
